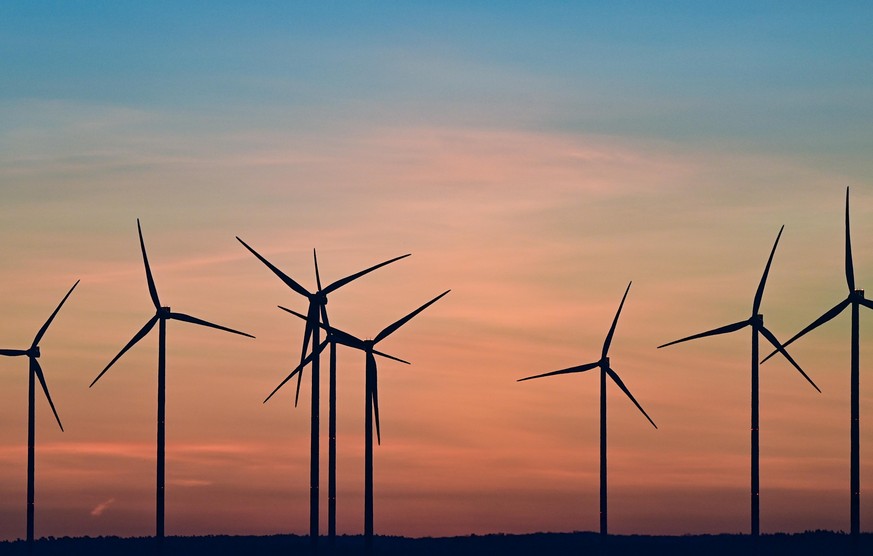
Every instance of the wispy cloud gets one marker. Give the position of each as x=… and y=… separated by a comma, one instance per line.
x=190, y=482
x=102, y=507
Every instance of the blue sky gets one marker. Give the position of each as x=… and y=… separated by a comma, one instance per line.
x=745, y=72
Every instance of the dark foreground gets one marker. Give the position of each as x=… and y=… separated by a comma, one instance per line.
x=547, y=544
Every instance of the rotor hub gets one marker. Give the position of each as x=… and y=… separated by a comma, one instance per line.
x=164, y=312
x=33, y=352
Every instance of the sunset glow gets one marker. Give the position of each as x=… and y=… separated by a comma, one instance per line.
x=534, y=158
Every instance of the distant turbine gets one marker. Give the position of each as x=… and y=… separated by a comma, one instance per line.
x=32, y=354
x=316, y=315
x=856, y=300
x=605, y=369
x=756, y=322
x=371, y=394
x=162, y=315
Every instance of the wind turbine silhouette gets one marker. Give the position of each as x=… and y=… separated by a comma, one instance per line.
x=162, y=315
x=605, y=369
x=317, y=315
x=35, y=372
x=855, y=299
x=371, y=394
x=756, y=322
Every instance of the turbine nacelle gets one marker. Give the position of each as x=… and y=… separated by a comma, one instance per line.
x=164, y=312
x=33, y=352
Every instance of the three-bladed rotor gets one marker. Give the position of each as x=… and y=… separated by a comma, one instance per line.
x=33, y=353
x=367, y=346
x=755, y=321
x=855, y=296
x=161, y=313
x=317, y=311
x=602, y=363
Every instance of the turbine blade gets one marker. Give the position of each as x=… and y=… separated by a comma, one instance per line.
x=137, y=337
x=576, y=369
x=614, y=376
x=779, y=347
x=324, y=319
x=317, y=351
x=343, y=281
x=194, y=320
x=307, y=335
x=308, y=332
x=295, y=313
x=317, y=275
x=346, y=339
x=153, y=291
x=387, y=331
x=45, y=326
x=760, y=293
x=374, y=392
x=338, y=335
x=13, y=352
x=867, y=303
x=715, y=331
x=833, y=312
x=386, y=356
x=35, y=368
x=299, y=383
x=850, y=270
x=614, y=322
x=282, y=276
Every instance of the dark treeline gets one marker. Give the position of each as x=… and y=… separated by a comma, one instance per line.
x=557, y=544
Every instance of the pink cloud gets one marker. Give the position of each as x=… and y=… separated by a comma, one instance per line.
x=102, y=507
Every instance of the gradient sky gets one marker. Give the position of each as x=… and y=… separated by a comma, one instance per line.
x=534, y=157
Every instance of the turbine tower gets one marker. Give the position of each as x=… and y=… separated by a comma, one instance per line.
x=162, y=315
x=605, y=370
x=756, y=322
x=856, y=300
x=35, y=372
x=317, y=315
x=371, y=395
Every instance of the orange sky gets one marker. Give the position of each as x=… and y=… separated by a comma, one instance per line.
x=535, y=220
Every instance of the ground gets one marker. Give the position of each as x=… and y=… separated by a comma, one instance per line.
x=545, y=544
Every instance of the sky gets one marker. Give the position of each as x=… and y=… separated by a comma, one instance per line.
x=534, y=157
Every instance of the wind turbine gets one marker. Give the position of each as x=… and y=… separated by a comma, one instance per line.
x=317, y=315
x=35, y=372
x=162, y=315
x=371, y=394
x=855, y=299
x=756, y=322
x=605, y=369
